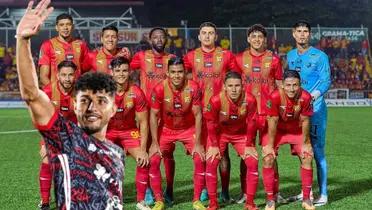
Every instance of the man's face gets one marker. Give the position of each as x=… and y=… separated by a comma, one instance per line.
x=66, y=77
x=301, y=35
x=257, y=40
x=291, y=86
x=109, y=40
x=64, y=28
x=158, y=40
x=207, y=36
x=233, y=88
x=121, y=74
x=94, y=110
x=176, y=74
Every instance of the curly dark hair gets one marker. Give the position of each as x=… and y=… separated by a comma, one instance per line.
x=96, y=81
x=257, y=27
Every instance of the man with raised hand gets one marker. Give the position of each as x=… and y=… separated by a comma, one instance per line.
x=87, y=169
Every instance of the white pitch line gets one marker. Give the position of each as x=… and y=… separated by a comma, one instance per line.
x=21, y=131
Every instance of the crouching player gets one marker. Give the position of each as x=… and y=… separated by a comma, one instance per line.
x=289, y=112
x=122, y=130
x=176, y=116
x=231, y=119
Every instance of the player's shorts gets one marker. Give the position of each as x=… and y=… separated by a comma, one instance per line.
x=261, y=126
x=237, y=141
x=295, y=140
x=126, y=139
x=168, y=138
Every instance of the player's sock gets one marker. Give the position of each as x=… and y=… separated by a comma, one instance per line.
x=45, y=180
x=142, y=176
x=268, y=175
x=307, y=180
x=199, y=176
x=252, y=179
x=169, y=166
x=225, y=174
x=155, y=177
x=243, y=176
x=211, y=176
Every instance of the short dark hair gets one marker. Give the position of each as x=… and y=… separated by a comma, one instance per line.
x=303, y=23
x=257, y=27
x=175, y=61
x=96, y=81
x=66, y=63
x=64, y=16
x=291, y=74
x=118, y=61
x=232, y=74
x=111, y=28
x=157, y=28
x=208, y=24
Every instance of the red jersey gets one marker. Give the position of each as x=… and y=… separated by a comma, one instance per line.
x=99, y=61
x=259, y=74
x=208, y=69
x=153, y=68
x=290, y=110
x=54, y=51
x=132, y=101
x=233, y=118
x=63, y=102
x=176, y=105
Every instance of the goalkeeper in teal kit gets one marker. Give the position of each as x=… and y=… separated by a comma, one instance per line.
x=313, y=66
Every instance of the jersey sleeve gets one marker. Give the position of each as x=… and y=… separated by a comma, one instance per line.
x=211, y=116
x=324, y=75
x=238, y=65
x=136, y=61
x=273, y=104
x=44, y=55
x=187, y=59
x=85, y=59
x=231, y=61
x=156, y=98
x=307, y=107
x=140, y=101
x=251, y=120
x=278, y=69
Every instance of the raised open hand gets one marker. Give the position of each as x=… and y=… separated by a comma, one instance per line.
x=33, y=19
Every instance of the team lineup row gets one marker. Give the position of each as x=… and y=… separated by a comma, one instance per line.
x=230, y=98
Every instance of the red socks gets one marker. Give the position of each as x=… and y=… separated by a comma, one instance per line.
x=155, y=177
x=169, y=166
x=243, y=176
x=252, y=179
x=199, y=176
x=45, y=180
x=307, y=181
x=142, y=176
x=268, y=175
x=211, y=177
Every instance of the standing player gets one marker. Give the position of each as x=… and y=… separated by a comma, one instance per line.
x=231, y=119
x=152, y=65
x=122, y=130
x=60, y=48
x=208, y=64
x=88, y=170
x=99, y=59
x=60, y=93
x=176, y=116
x=262, y=74
x=313, y=66
x=289, y=112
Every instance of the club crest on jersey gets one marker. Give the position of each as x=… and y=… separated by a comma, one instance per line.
x=208, y=64
x=187, y=99
x=219, y=58
x=297, y=108
x=256, y=69
x=243, y=111
x=197, y=60
x=159, y=65
x=267, y=65
x=129, y=104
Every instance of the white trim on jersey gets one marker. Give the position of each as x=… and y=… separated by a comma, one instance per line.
x=66, y=179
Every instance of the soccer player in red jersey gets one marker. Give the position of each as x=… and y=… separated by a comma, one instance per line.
x=262, y=74
x=231, y=119
x=208, y=65
x=289, y=111
x=152, y=63
x=60, y=48
x=176, y=116
x=87, y=169
x=100, y=58
x=122, y=128
x=60, y=93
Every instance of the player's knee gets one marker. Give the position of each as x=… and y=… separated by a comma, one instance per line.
x=155, y=160
x=251, y=163
x=306, y=161
x=45, y=160
x=268, y=161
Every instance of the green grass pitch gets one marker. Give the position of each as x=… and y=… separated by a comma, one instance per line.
x=349, y=155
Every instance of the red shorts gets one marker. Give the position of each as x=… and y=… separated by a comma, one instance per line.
x=295, y=140
x=126, y=139
x=239, y=143
x=261, y=126
x=168, y=138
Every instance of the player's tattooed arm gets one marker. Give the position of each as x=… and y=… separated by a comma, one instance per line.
x=154, y=119
x=40, y=107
